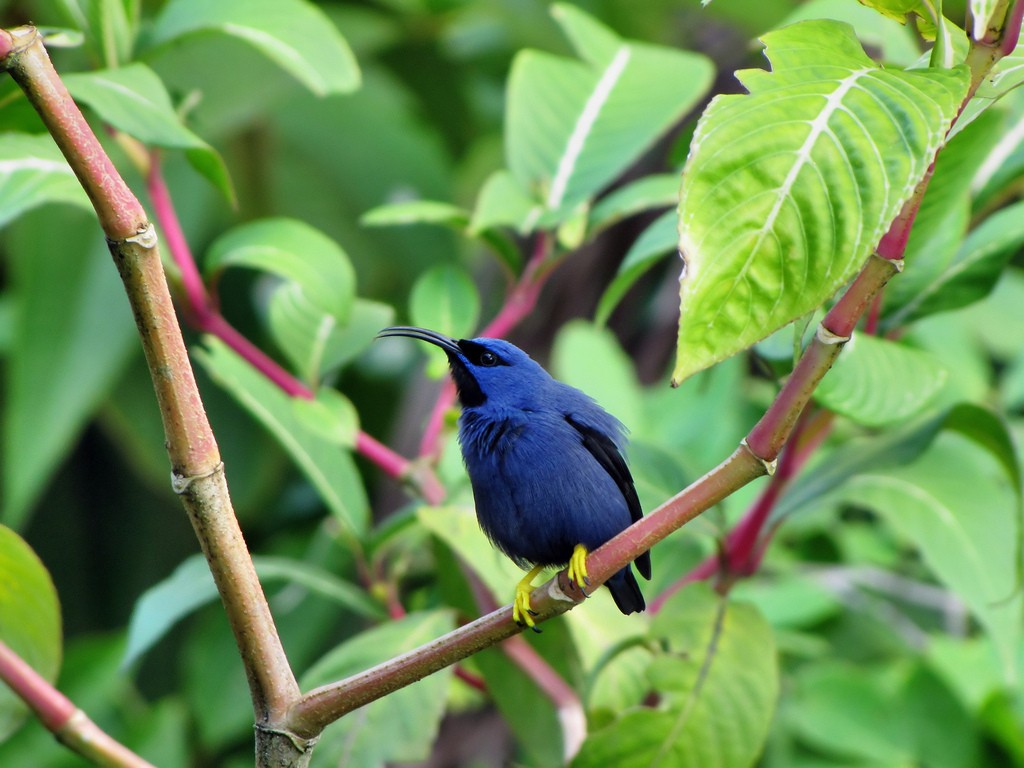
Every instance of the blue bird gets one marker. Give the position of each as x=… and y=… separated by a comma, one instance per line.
x=545, y=462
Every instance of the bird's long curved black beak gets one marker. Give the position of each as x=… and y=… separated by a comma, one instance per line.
x=448, y=344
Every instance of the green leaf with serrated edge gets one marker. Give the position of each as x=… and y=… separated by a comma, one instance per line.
x=294, y=34
x=78, y=329
x=859, y=386
x=133, y=99
x=416, y=212
x=330, y=415
x=654, y=242
x=788, y=188
x=410, y=716
x=295, y=251
x=718, y=686
x=942, y=220
x=33, y=172
x=655, y=191
x=973, y=548
x=574, y=126
x=896, y=43
x=901, y=446
x=330, y=469
x=445, y=299
x=191, y=587
x=30, y=622
x=973, y=271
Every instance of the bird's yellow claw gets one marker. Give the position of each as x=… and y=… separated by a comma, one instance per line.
x=522, y=613
x=577, y=570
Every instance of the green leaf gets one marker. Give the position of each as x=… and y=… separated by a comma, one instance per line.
x=789, y=188
x=416, y=212
x=973, y=271
x=330, y=469
x=718, y=687
x=29, y=619
x=295, y=251
x=973, y=548
x=133, y=99
x=658, y=190
x=654, y=242
x=330, y=415
x=33, y=172
x=898, y=447
x=573, y=126
x=503, y=203
x=109, y=26
x=191, y=587
x=445, y=299
x=591, y=359
x=877, y=382
x=457, y=527
x=986, y=16
x=294, y=34
x=71, y=323
x=410, y=716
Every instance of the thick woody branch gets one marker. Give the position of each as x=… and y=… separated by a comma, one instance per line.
x=195, y=459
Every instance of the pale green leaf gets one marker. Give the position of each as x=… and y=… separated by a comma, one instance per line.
x=973, y=270
x=877, y=382
x=294, y=251
x=331, y=415
x=330, y=469
x=33, y=172
x=789, y=188
x=972, y=547
x=191, y=586
x=654, y=242
x=445, y=299
x=658, y=190
x=987, y=16
x=573, y=126
x=503, y=203
x=30, y=623
x=294, y=34
x=416, y=212
x=133, y=99
x=718, y=688
x=409, y=717
x=457, y=527
x=71, y=324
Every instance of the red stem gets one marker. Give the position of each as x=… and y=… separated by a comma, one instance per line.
x=51, y=706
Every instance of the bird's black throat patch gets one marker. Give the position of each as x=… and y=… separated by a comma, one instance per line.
x=470, y=394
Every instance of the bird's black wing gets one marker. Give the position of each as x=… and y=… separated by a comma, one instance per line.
x=604, y=449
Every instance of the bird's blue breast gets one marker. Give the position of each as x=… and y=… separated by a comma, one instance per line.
x=538, y=490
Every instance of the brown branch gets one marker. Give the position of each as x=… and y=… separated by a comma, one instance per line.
x=61, y=717
x=195, y=460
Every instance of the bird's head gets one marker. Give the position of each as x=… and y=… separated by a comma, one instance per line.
x=483, y=369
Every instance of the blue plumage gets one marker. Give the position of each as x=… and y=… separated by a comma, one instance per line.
x=545, y=460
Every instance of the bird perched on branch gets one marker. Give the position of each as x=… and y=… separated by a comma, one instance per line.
x=545, y=462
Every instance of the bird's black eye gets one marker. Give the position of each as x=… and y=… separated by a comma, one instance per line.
x=487, y=359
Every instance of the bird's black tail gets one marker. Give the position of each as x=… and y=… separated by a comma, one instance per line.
x=626, y=592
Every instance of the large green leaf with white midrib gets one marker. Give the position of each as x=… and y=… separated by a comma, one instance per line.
x=573, y=126
x=790, y=187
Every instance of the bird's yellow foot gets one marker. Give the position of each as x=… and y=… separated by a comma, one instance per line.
x=577, y=570
x=522, y=613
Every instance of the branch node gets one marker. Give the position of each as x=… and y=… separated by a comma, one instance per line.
x=146, y=237
x=828, y=338
x=181, y=483
x=769, y=465
x=302, y=746
x=13, y=42
x=556, y=592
